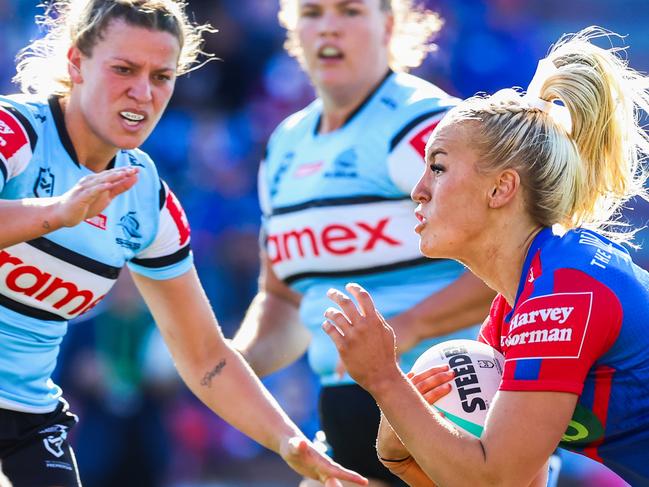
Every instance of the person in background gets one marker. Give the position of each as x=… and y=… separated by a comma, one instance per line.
x=334, y=189
x=528, y=191
x=78, y=201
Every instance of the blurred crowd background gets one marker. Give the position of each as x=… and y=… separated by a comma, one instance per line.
x=139, y=425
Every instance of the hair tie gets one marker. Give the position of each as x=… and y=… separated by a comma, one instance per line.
x=558, y=113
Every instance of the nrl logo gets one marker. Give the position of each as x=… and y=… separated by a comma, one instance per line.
x=54, y=442
x=44, y=186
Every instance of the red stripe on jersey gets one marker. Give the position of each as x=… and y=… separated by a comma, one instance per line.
x=13, y=136
x=418, y=141
x=178, y=216
x=602, y=394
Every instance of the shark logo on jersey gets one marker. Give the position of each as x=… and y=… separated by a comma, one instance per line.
x=44, y=187
x=54, y=441
x=130, y=226
x=345, y=165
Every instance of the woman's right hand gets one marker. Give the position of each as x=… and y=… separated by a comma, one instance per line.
x=92, y=194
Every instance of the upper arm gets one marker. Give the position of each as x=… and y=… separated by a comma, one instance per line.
x=182, y=312
x=407, y=147
x=17, y=142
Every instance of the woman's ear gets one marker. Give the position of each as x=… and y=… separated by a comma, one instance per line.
x=505, y=188
x=74, y=65
x=389, y=27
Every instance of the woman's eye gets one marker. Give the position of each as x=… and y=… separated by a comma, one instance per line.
x=309, y=13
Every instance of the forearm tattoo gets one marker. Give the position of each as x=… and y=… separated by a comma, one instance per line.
x=207, y=378
x=46, y=225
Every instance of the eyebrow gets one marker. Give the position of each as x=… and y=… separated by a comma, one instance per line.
x=344, y=3
x=433, y=152
x=131, y=63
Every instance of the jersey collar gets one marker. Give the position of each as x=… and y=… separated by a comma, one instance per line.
x=360, y=107
x=64, y=136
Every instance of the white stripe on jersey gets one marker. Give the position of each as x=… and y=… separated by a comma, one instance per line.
x=39, y=280
x=342, y=238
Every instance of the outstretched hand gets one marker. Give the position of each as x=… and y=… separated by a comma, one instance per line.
x=302, y=456
x=93, y=193
x=365, y=341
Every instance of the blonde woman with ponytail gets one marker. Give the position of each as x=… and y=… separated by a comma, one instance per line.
x=524, y=189
x=78, y=202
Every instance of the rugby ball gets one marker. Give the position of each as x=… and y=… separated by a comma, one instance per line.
x=478, y=372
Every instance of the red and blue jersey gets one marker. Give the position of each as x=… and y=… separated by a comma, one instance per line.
x=580, y=325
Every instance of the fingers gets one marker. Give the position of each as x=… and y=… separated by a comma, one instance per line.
x=117, y=174
x=434, y=383
x=108, y=176
x=346, y=304
x=115, y=180
x=334, y=333
x=337, y=318
x=328, y=471
x=363, y=298
x=119, y=187
x=432, y=371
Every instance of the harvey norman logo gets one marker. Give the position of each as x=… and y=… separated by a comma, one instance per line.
x=545, y=315
x=549, y=326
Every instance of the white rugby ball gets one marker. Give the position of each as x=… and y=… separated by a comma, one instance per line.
x=478, y=372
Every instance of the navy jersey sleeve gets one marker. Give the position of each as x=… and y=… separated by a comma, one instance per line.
x=169, y=254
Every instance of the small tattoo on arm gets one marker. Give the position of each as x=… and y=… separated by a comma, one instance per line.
x=207, y=378
x=46, y=224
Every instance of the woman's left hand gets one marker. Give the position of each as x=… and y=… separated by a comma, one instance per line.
x=303, y=457
x=365, y=341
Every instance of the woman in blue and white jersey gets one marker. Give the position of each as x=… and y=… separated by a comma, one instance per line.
x=78, y=201
x=334, y=189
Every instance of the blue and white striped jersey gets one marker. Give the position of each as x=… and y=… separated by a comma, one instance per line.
x=47, y=281
x=337, y=208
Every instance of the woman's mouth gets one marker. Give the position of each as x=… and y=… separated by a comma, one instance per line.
x=132, y=119
x=422, y=222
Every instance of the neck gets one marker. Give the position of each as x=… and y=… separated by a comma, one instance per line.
x=340, y=102
x=499, y=262
x=91, y=151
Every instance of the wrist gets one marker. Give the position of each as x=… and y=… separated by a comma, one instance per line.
x=50, y=216
x=385, y=382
